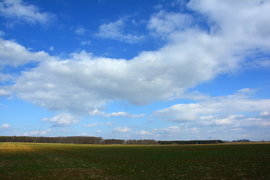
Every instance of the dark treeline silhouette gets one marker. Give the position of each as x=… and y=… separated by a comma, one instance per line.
x=68, y=139
x=241, y=140
x=141, y=141
x=191, y=142
x=98, y=140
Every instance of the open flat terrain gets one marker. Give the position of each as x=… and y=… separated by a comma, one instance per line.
x=69, y=161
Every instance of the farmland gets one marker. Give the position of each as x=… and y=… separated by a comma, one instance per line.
x=75, y=161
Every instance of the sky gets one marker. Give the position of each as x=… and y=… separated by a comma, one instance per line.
x=155, y=69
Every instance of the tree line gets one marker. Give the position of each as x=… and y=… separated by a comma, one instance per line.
x=98, y=140
x=192, y=142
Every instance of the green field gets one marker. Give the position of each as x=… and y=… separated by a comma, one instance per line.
x=69, y=161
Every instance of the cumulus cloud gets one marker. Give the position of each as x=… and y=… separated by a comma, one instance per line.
x=236, y=20
x=234, y=110
x=92, y=81
x=62, y=119
x=194, y=131
x=121, y=129
x=115, y=30
x=5, y=126
x=184, y=112
x=229, y=120
x=18, y=10
x=14, y=54
x=84, y=83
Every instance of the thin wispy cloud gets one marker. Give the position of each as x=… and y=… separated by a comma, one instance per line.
x=115, y=30
x=121, y=129
x=17, y=10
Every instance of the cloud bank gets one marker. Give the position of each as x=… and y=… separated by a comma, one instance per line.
x=193, y=54
x=223, y=110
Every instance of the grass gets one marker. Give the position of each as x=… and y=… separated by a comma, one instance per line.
x=69, y=161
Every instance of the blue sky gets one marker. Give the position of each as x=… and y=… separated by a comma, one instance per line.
x=163, y=70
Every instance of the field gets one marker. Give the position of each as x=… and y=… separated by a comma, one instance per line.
x=69, y=161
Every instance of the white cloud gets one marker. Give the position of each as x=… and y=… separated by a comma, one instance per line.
x=229, y=120
x=98, y=124
x=164, y=23
x=121, y=129
x=137, y=115
x=85, y=42
x=5, y=126
x=178, y=132
x=36, y=133
x=80, y=31
x=234, y=110
x=18, y=10
x=62, y=119
x=51, y=48
x=115, y=30
x=84, y=83
x=122, y=113
x=189, y=131
x=236, y=20
x=170, y=129
x=144, y=132
x=96, y=112
x=265, y=113
x=244, y=136
x=14, y=54
x=96, y=80
x=91, y=125
x=184, y=112
x=3, y=92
